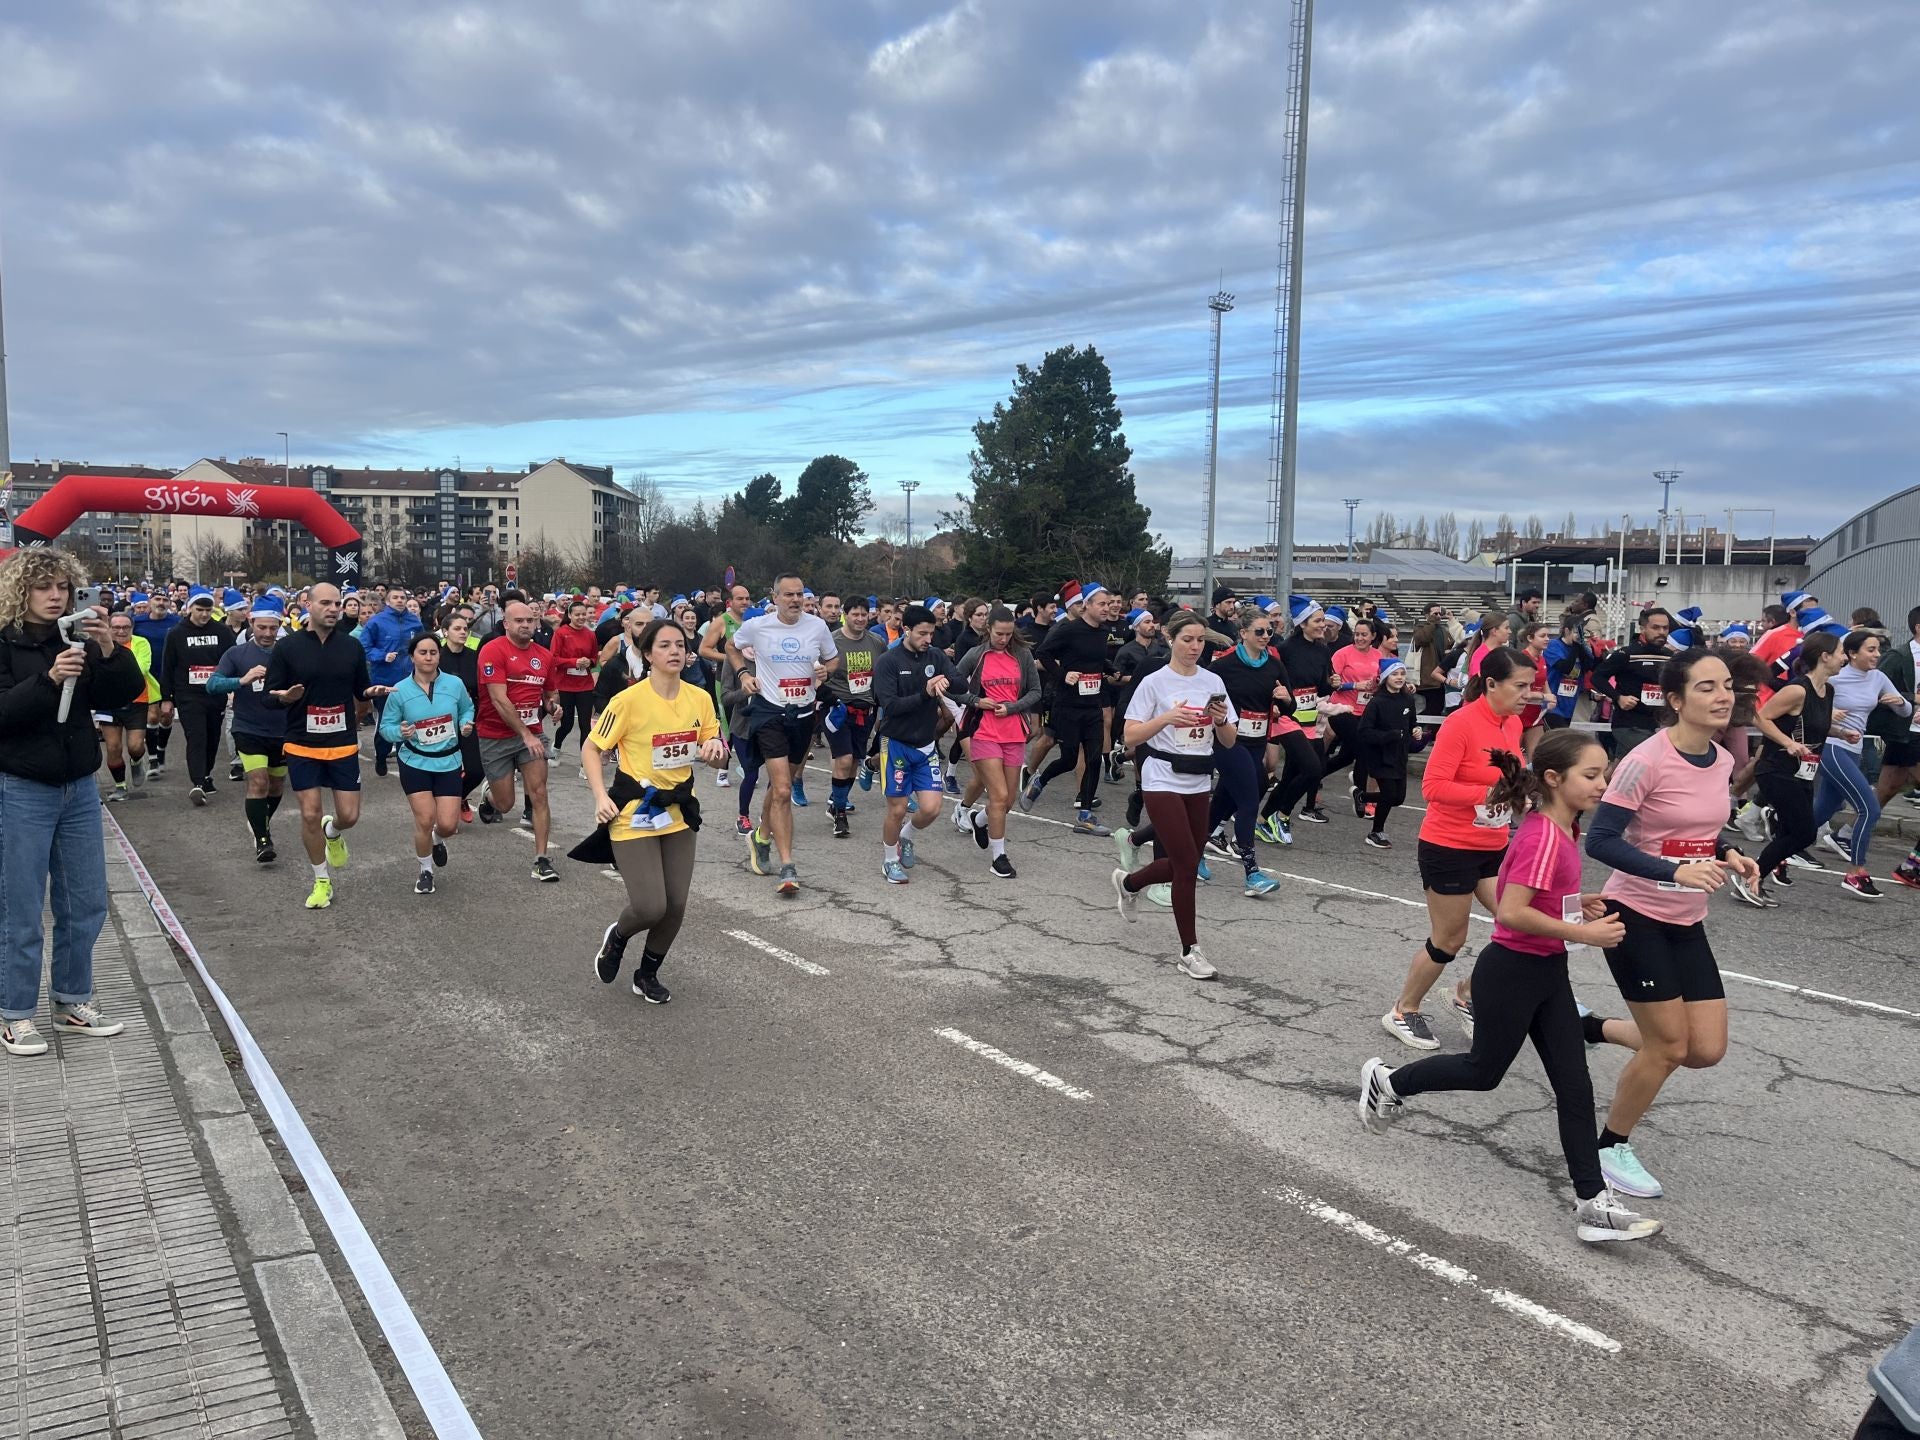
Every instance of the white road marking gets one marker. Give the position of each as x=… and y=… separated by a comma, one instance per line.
x=1872, y=1005
x=787, y=956
x=1019, y=1067
x=1453, y=1274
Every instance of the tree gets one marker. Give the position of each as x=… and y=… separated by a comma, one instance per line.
x=1476, y=537
x=829, y=500
x=1446, y=533
x=1053, y=496
x=656, y=511
x=759, y=502
x=1421, y=540
x=1534, y=529
x=1570, y=527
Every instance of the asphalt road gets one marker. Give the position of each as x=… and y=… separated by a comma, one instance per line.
x=786, y=1204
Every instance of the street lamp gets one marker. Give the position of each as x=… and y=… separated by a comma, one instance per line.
x=912, y=571
x=286, y=478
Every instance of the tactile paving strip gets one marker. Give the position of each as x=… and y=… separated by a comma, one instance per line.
x=121, y=1307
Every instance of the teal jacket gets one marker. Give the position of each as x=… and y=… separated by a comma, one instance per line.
x=447, y=710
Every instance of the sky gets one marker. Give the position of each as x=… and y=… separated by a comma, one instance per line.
x=1551, y=246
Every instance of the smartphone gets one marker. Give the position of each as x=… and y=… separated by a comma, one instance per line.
x=90, y=596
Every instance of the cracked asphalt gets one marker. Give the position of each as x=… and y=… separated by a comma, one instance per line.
x=783, y=1205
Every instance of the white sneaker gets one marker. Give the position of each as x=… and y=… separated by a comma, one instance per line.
x=1752, y=823
x=1379, y=1106
x=724, y=778
x=22, y=1037
x=1194, y=964
x=1605, y=1218
x=1832, y=842
x=1129, y=902
x=963, y=819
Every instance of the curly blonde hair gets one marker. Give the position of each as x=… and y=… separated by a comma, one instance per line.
x=24, y=569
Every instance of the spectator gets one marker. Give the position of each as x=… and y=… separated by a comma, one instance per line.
x=49, y=805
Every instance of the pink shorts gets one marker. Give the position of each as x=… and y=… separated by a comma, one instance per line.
x=1007, y=752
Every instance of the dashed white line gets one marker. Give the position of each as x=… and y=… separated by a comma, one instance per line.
x=1453, y=1274
x=1019, y=1067
x=1872, y=1005
x=785, y=956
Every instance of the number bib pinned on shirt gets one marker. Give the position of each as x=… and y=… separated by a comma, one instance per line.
x=674, y=749
x=199, y=674
x=1809, y=768
x=326, y=720
x=1253, y=727
x=529, y=715
x=796, y=689
x=1089, y=684
x=1572, y=914
x=1568, y=689
x=434, y=731
x=1682, y=852
x=1492, y=817
x=1652, y=695
x=860, y=682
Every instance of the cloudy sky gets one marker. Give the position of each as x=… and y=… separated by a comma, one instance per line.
x=1552, y=245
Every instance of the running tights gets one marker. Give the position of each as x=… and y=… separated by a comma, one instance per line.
x=1078, y=730
x=1237, y=794
x=574, y=703
x=658, y=872
x=749, y=759
x=1842, y=786
x=472, y=775
x=1392, y=792
x=1180, y=825
x=200, y=719
x=1345, y=748
x=1794, y=828
x=1516, y=998
x=1300, y=776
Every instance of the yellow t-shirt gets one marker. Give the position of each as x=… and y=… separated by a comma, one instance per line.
x=657, y=741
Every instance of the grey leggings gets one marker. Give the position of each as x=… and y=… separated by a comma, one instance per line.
x=658, y=871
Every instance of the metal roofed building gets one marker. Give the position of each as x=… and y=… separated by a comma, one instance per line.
x=1405, y=582
x=1873, y=559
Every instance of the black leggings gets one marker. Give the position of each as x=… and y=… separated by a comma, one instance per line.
x=1077, y=729
x=1345, y=749
x=200, y=717
x=574, y=703
x=1794, y=830
x=1516, y=998
x=472, y=774
x=1392, y=792
x=1299, y=777
x=1237, y=793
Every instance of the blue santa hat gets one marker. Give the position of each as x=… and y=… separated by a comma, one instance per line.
x=1681, y=639
x=231, y=599
x=269, y=604
x=1794, y=599
x=1301, y=608
x=1337, y=614
x=138, y=597
x=1691, y=615
x=805, y=594
x=1091, y=589
x=1473, y=627
x=753, y=612
x=677, y=600
x=197, y=593
x=1134, y=617
x=1391, y=663
x=1813, y=620
x=932, y=600
x=1736, y=629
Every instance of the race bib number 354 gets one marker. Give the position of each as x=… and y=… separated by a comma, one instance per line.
x=674, y=750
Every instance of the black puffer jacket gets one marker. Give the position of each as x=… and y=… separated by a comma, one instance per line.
x=33, y=745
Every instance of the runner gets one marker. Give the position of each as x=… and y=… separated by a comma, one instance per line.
x=516, y=686
x=259, y=725
x=1568, y=662
x=1860, y=690
x=1388, y=731
x=426, y=717
x=460, y=658
x=1251, y=674
x=319, y=676
x=1005, y=683
x=575, y=653
x=193, y=653
x=385, y=635
x=1356, y=675
x=1463, y=834
x=850, y=692
x=123, y=732
x=1794, y=724
x=655, y=728
x=1900, y=768
x=793, y=653
x=909, y=682
x=1630, y=677
x=1309, y=675
x=1179, y=717
x=1520, y=979
x=1657, y=828
x=1077, y=649
x=154, y=626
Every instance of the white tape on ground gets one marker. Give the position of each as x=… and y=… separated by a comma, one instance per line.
x=1019, y=1067
x=431, y=1384
x=786, y=956
x=1453, y=1274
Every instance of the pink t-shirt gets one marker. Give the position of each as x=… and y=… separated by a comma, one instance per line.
x=1360, y=669
x=1000, y=680
x=1546, y=860
x=1678, y=808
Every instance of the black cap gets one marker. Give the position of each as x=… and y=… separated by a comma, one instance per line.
x=1222, y=592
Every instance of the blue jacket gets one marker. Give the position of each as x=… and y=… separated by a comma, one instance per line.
x=1565, y=662
x=389, y=630
x=409, y=703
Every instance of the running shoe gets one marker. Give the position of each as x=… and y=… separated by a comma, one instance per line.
x=336, y=846
x=1194, y=965
x=1375, y=839
x=1263, y=829
x=543, y=870
x=1379, y=1106
x=646, y=984
x=263, y=852
x=759, y=853
x=439, y=855
x=1087, y=825
x=380, y=765
x=1220, y=847
x=157, y=770
x=526, y=814
x=1583, y=1012
x=1827, y=838
x=1751, y=892
x=963, y=819
x=196, y=797
x=1751, y=821
x=116, y=794
x=424, y=885
x=907, y=858
x=863, y=776
x=842, y=830
x=1095, y=803
x=1314, y=813
x=1861, y=887
x=1908, y=874
x=1128, y=902
x=606, y=961
x=743, y=826
x=1114, y=773
x=1259, y=883
x=1463, y=1012
x=83, y=1017
x=979, y=828
x=1203, y=873
x=1002, y=867
x=466, y=813
x=1161, y=895
x=1029, y=797
x=321, y=896
x=799, y=793
x=1623, y=1171
x=952, y=783
x=789, y=881
x=913, y=805
x=1783, y=877
x=1605, y=1218
x=1913, y=797
x=22, y=1037
x=1804, y=861
x=141, y=770
x=1129, y=856
x=893, y=872
x=1283, y=829
x=722, y=778
x=1410, y=1028
x=236, y=772
x=1359, y=802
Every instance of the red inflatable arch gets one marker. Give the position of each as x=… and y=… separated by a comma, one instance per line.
x=74, y=495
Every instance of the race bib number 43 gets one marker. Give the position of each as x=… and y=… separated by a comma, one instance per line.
x=674, y=750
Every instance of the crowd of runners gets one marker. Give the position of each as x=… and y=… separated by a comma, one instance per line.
x=1691, y=758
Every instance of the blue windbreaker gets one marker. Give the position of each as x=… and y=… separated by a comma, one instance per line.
x=390, y=630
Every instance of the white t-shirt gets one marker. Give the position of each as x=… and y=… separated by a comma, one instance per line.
x=784, y=656
x=1156, y=695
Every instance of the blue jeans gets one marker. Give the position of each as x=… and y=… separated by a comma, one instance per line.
x=49, y=832
x=1841, y=786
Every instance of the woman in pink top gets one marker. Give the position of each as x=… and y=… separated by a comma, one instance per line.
x=1356, y=675
x=1008, y=690
x=1494, y=633
x=1658, y=828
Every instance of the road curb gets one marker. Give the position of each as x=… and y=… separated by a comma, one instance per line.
x=340, y=1392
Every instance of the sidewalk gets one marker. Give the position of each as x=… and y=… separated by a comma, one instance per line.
x=161, y=1280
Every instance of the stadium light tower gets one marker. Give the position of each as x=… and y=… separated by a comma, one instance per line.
x=912, y=570
x=1286, y=304
x=1220, y=304
x=1352, y=505
x=1666, y=479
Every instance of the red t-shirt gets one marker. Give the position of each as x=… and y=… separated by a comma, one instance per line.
x=574, y=652
x=528, y=676
x=1459, y=774
x=1532, y=715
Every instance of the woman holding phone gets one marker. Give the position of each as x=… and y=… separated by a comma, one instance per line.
x=1178, y=714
